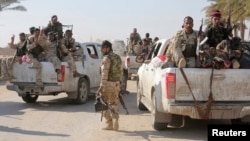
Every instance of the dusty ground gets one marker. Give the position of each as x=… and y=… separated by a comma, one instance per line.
x=6, y=52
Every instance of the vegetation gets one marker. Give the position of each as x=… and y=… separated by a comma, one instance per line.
x=237, y=10
x=7, y=5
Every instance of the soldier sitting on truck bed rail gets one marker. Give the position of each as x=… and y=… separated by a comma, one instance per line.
x=7, y=63
x=49, y=45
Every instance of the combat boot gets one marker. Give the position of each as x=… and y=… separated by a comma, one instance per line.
x=235, y=64
x=108, y=125
x=182, y=63
x=116, y=124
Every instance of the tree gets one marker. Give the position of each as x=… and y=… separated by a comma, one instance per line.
x=6, y=5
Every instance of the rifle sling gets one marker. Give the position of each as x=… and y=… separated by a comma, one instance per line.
x=210, y=98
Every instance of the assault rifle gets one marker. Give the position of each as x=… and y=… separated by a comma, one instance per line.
x=101, y=105
x=199, y=36
x=123, y=104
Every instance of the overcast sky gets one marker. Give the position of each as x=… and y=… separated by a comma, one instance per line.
x=104, y=19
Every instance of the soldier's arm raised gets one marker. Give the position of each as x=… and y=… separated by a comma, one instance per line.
x=11, y=44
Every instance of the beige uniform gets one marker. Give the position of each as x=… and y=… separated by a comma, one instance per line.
x=50, y=51
x=34, y=61
x=68, y=58
x=183, y=46
x=111, y=72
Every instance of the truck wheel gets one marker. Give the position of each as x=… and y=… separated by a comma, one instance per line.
x=29, y=98
x=82, y=91
x=156, y=115
x=140, y=105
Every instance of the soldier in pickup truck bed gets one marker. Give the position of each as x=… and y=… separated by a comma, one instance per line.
x=182, y=49
x=6, y=65
x=49, y=45
x=34, y=52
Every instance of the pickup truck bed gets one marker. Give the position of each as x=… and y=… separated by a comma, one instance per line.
x=164, y=91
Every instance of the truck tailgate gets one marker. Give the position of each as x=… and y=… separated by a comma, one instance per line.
x=26, y=73
x=227, y=84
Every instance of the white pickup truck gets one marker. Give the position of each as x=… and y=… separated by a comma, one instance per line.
x=88, y=63
x=164, y=91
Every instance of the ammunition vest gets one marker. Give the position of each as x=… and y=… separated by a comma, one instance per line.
x=115, y=67
x=22, y=51
x=36, y=51
x=188, y=44
x=69, y=43
x=215, y=35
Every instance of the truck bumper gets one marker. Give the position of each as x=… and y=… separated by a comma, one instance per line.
x=33, y=89
x=216, y=112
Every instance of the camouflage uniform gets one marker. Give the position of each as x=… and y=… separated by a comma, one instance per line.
x=134, y=42
x=7, y=62
x=55, y=27
x=215, y=35
x=183, y=46
x=68, y=57
x=50, y=51
x=34, y=51
x=111, y=73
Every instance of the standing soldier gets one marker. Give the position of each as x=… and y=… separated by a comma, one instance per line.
x=7, y=63
x=183, y=45
x=55, y=26
x=111, y=73
x=34, y=52
x=50, y=45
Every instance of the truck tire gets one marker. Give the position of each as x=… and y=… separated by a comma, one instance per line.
x=156, y=115
x=29, y=98
x=139, y=104
x=82, y=91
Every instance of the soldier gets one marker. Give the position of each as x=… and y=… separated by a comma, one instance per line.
x=111, y=73
x=55, y=26
x=35, y=53
x=67, y=47
x=50, y=45
x=148, y=39
x=134, y=37
x=182, y=49
x=215, y=31
x=134, y=44
x=69, y=41
x=7, y=63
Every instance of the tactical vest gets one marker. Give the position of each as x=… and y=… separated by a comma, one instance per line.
x=115, y=67
x=68, y=43
x=189, y=44
x=22, y=51
x=216, y=35
x=36, y=51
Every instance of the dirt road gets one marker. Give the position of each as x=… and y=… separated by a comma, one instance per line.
x=57, y=119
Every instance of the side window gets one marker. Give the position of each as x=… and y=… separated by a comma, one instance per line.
x=92, y=51
x=156, y=50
